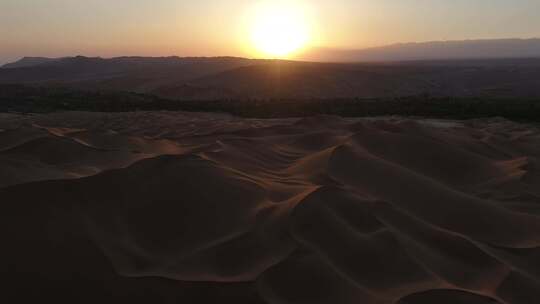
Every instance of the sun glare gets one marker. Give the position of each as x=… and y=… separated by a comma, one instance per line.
x=279, y=29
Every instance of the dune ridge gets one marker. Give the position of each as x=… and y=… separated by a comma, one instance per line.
x=174, y=207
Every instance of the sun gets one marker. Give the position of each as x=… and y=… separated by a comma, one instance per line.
x=279, y=29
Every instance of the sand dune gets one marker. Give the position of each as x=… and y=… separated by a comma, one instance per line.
x=174, y=207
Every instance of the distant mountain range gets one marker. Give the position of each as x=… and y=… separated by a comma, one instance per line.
x=136, y=74
x=240, y=78
x=435, y=50
x=28, y=62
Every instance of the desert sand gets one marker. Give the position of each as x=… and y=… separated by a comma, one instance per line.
x=171, y=207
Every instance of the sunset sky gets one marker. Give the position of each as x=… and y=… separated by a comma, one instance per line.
x=108, y=28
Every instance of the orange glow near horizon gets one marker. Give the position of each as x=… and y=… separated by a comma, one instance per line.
x=284, y=29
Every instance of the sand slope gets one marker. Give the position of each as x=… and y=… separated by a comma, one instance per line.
x=204, y=208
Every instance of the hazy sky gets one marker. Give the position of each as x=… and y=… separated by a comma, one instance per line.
x=219, y=27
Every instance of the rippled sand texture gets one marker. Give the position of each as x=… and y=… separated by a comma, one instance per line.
x=207, y=208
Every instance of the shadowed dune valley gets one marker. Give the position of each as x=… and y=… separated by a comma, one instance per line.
x=270, y=152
